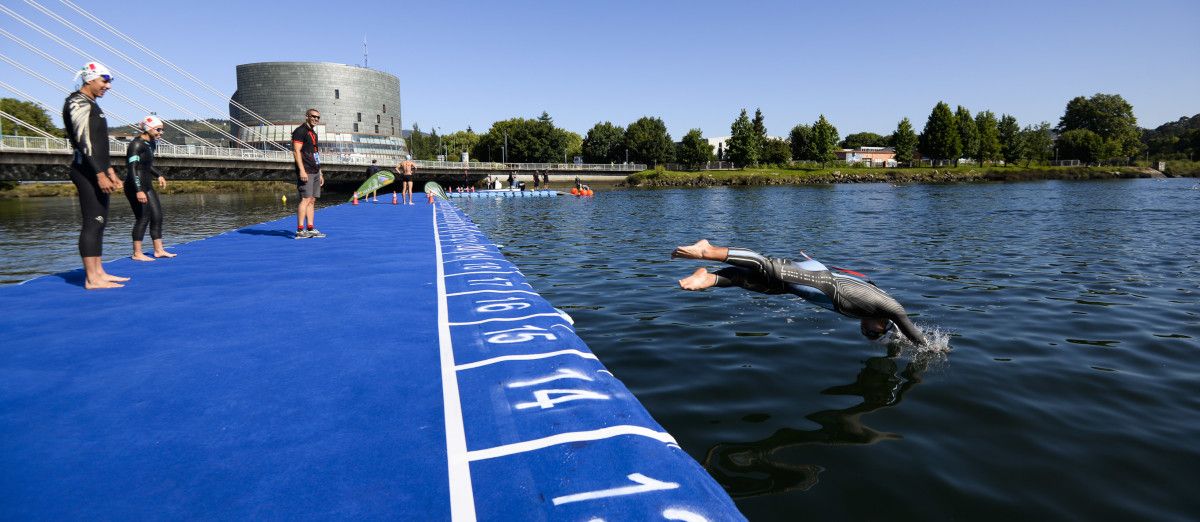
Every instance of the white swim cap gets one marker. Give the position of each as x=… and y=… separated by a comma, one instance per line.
x=92, y=70
x=151, y=122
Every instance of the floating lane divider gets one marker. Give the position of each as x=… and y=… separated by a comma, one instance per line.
x=536, y=427
x=503, y=193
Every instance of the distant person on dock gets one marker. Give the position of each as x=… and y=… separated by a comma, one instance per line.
x=309, y=179
x=406, y=168
x=512, y=181
x=371, y=170
x=843, y=291
x=546, y=179
x=537, y=182
x=140, y=176
x=578, y=184
x=93, y=176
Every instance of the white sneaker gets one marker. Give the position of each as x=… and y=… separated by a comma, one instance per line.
x=302, y=234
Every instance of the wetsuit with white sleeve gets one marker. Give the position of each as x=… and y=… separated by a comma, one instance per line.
x=87, y=131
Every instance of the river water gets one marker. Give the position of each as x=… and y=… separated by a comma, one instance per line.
x=1062, y=382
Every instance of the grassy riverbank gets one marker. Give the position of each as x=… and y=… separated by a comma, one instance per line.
x=844, y=174
x=36, y=190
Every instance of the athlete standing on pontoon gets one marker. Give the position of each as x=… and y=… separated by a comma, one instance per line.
x=406, y=169
x=843, y=291
x=93, y=176
x=140, y=176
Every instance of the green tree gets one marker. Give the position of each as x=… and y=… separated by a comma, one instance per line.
x=1037, y=143
x=1010, y=139
x=989, y=137
x=905, y=141
x=604, y=143
x=574, y=144
x=825, y=140
x=1108, y=116
x=649, y=142
x=742, y=146
x=968, y=133
x=863, y=139
x=939, y=140
x=760, y=130
x=776, y=151
x=528, y=141
x=459, y=142
x=27, y=112
x=694, y=151
x=1080, y=144
x=418, y=143
x=801, y=143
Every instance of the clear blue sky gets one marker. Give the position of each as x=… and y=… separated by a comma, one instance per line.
x=694, y=64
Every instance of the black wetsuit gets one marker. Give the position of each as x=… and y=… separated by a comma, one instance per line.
x=839, y=291
x=87, y=131
x=139, y=177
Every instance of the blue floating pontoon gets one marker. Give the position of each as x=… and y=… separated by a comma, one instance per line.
x=505, y=194
x=399, y=369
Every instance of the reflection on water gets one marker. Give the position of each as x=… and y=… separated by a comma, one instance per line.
x=1070, y=391
x=764, y=467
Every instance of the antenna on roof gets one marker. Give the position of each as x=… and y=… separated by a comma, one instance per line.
x=365, y=51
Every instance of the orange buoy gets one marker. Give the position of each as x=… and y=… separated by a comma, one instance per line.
x=574, y=191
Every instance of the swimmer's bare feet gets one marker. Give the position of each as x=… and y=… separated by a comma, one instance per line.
x=164, y=253
x=98, y=285
x=141, y=257
x=699, y=280
x=113, y=279
x=693, y=251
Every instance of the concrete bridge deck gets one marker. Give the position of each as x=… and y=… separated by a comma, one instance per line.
x=24, y=158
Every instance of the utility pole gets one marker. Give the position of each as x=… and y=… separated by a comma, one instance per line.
x=505, y=146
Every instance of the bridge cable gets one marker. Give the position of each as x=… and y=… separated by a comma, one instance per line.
x=62, y=42
x=68, y=68
x=55, y=85
x=22, y=123
x=164, y=61
x=85, y=34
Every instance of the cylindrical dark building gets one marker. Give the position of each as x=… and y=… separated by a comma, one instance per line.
x=360, y=107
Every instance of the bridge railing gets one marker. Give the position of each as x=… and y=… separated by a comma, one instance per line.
x=117, y=147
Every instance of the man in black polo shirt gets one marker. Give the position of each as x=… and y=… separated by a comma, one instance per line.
x=308, y=173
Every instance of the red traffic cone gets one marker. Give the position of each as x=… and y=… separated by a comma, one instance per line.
x=393, y=197
x=356, y=198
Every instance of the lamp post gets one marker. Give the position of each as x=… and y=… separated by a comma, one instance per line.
x=505, y=147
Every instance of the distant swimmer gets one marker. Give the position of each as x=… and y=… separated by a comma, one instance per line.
x=93, y=176
x=843, y=291
x=140, y=176
x=406, y=169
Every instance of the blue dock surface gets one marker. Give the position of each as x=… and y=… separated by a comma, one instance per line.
x=400, y=368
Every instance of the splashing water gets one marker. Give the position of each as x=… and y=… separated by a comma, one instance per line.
x=937, y=343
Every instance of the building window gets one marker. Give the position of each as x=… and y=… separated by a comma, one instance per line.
x=337, y=94
x=360, y=116
x=378, y=119
x=355, y=127
x=393, y=118
x=393, y=130
x=385, y=108
x=376, y=129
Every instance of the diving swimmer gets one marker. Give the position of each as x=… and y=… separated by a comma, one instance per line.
x=845, y=292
